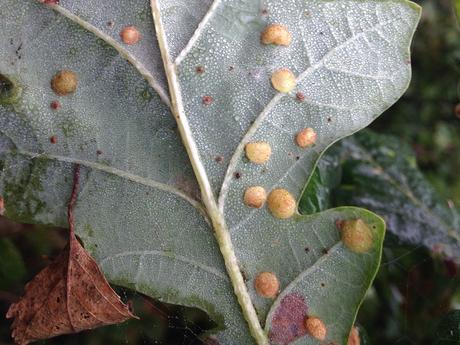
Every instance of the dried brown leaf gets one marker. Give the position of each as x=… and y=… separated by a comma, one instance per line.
x=68, y=296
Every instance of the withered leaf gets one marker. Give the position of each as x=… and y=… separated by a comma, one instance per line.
x=68, y=296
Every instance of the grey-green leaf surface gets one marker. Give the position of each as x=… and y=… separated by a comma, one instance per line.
x=380, y=173
x=139, y=210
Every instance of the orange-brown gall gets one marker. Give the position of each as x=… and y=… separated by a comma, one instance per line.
x=306, y=137
x=283, y=80
x=64, y=82
x=281, y=203
x=2, y=206
x=276, y=34
x=255, y=197
x=130, y=35
x=267, y=285
x=357, y=236
x=315, y=327
x=258, y=152
x=353, y=338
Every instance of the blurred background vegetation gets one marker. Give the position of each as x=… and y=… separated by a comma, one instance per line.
x=417, y=291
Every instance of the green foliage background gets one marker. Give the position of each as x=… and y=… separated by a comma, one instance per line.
x=414, y=289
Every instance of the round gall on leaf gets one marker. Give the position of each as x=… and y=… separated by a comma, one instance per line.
x=306, y=137
x=64, y=82
x=267, y=285
x=255, y=197
x=315, y=327
x=258, y=152
x=130, y=35
x=357, y=236
x=276, y=34
x=281, y=203
x=283, y=80
x=353, y=338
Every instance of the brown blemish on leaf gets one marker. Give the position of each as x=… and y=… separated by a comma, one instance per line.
x=316, y=327
x=64, y=82
x=130, y=35
x=99, y=152
x=219, y=159
x=237, y=175
x=277, y=34
x=68, y=296
x=288, y=320
x=53, y=139
x=199, y=70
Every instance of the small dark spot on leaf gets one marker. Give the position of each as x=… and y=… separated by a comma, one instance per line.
x=323, y=285
x=110, y=24
x=339, y=224
x=306, y=249
x=297, y=158
x=219, y=159
x=237, y=175
x=325, y=251
x=231, y=68
x=53, y=139
x=329, y=119
x=300, y=96
x=264, y=12
x=55, y=105
x=207, y=100
x=200, y=70
x=99, y=152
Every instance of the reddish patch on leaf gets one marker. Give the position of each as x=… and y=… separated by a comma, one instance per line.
x=53, y=140
x=68, y=296
x=288, y=321
x=200, y=70
x=99, y=152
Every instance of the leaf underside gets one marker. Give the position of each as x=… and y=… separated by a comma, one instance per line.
x=139, y=211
